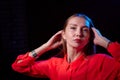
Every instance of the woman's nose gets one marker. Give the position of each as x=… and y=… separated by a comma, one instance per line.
x=79, y=33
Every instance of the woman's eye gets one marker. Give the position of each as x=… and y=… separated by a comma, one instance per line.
x=86, y=30
x=72, y=27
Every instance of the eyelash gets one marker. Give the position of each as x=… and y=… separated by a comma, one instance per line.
x=72, y=28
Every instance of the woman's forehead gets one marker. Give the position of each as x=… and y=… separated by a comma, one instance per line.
x=78, y=21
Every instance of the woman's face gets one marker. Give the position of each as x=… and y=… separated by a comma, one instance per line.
x=76, y=33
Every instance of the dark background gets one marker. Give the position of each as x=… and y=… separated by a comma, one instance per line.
x=26, y=24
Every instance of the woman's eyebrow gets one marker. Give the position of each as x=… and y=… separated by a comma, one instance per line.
x=86, y=26
x=73, y=24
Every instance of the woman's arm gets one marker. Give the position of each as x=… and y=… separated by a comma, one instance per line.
x=112, y=47
x=26, y=64
x=54, y=42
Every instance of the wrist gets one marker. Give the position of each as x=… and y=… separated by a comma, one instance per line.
x=33, y=54
x=108, y=44
x=105, y=43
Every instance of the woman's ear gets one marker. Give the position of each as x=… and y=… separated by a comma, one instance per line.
x=63, y=35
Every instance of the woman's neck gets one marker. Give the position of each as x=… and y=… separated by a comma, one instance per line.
x=73, y=54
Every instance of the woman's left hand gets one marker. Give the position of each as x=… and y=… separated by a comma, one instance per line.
x=99, y=39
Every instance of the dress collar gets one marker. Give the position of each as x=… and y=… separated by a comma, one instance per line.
x=81, y=59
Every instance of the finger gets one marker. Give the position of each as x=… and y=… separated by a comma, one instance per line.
x=96, y=31
x=59, y=32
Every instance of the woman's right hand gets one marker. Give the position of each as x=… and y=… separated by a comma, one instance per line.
x=55, y=41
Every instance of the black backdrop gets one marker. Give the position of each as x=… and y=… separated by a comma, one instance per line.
x=25, y=25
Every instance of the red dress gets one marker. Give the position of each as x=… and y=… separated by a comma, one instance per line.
x=94, y=67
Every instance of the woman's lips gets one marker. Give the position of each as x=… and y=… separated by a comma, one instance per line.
x=77, y=40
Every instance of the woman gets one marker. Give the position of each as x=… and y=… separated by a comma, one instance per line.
x=80, y=62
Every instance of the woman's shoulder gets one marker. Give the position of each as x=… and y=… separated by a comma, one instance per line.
x=56, y=59
x=101, y=57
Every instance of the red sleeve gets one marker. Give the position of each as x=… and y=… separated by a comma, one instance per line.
x=27, y=65
x=114, y=49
